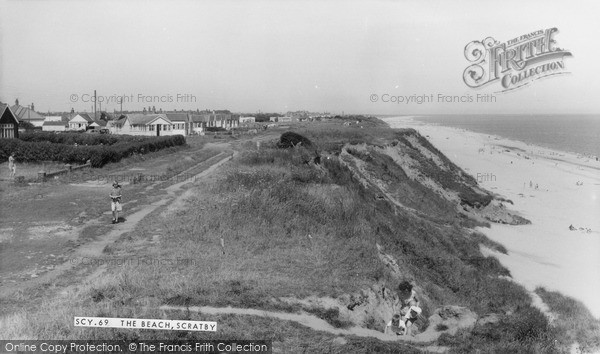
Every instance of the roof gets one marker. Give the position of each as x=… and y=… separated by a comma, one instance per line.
x=100, y=122
x=117, y=122
x=4, y=107
x=198, y=118
x=26, y=113
x=177, y=117
x=54, y=122
x=86, y=117
x=145, y=119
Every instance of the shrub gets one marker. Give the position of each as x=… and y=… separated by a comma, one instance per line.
x=291, y=139
x=75, y=138
x=99, y=155
x=215, y=129
x=441, y=327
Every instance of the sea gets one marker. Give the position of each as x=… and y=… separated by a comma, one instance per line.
x=578, y=134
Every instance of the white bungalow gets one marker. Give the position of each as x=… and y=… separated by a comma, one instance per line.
x=181, y=123
x=144, y=124
x=247, y=120
x=80, y=121
x=98, y=124
x=54, y=126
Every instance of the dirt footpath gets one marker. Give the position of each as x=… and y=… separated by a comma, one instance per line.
x=50, y=229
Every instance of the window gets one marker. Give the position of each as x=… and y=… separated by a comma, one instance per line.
x=7, y=131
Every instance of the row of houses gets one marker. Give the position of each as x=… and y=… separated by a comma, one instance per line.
x=172, y=123
x=132, y=123
x=72, y=121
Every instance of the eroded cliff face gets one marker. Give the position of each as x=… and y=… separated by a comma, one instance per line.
x=416, y=180
x=416, y=177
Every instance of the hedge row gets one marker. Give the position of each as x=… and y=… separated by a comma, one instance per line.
x=70, y=138
x=99, y=155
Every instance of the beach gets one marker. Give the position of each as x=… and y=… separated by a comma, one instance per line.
x=552, y=189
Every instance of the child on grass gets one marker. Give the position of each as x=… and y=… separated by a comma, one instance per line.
x=115, y=205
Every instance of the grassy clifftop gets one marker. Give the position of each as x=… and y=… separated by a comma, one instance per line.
x=336, y=228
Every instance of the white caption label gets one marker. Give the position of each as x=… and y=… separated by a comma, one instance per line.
x=143, y=323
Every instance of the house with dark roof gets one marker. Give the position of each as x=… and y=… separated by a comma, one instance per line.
x=143, y=124
x=9, y=124
x=54, y=126
x=197, y=123
x=218, y=119
x=98, y=124
x=181, y=123
x=28, y=115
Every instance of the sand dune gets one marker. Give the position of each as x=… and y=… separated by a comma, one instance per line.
x=545, y=253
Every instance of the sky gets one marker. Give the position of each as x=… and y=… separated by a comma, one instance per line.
x=279, y=56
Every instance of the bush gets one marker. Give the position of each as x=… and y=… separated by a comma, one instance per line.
x=99, y=155
x=215, y=129
x=76, y=138
x=291, y=139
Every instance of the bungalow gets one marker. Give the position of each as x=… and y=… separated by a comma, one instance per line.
x=54, y=126
x=9, y=124
x=180, y=122
x=97, y=124
x=80, y=121
x=223, y=120
x=247, y=120
x=143, y=124
x=115, y=125
x=199, y=122
x=28, y=115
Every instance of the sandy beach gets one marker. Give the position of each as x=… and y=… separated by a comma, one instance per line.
x=552, y=189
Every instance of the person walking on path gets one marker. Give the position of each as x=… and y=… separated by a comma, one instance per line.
x=115, y=205
x=12, y=166
x=395, y=326
x=411, y=315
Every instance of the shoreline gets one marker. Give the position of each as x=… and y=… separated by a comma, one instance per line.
x=416, y=119
x=543, y=184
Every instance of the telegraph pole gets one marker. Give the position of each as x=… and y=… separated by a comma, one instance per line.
x=95, y=105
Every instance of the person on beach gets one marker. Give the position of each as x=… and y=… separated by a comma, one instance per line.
x=12, y=166
x=115, y=205
x=396, y=325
